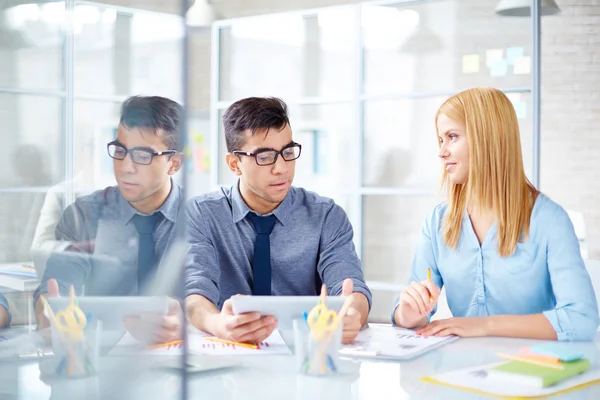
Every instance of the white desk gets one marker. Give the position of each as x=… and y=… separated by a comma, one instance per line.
x=274, y=377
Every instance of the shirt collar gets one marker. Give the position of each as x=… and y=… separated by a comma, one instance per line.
x=169, y=209
x=240, y=209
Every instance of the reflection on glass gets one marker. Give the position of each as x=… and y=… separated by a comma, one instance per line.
x=95, y=125
x=31, y=140
x=391, y=232
x=31, y=43
x=119, y=53
x=292, y=56
x=400, y=144
x=522, y=102
x=421, y=47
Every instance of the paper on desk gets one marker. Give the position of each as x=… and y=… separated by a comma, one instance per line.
x=128, y=345
x=198, y=344
x=273, y=345
x=391, y=341
x=476, y=379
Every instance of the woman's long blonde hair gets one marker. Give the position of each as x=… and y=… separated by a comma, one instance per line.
x=497, y=179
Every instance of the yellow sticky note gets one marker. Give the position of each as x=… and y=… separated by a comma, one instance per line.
x=470, y=64
x=522, y=66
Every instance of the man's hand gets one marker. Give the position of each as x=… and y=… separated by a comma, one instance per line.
x=155, y=328
x=352, y=319
x=42, y=321
x=246, y=328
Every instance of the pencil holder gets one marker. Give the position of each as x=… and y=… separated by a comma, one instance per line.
x=77, y=355
x=316, y=352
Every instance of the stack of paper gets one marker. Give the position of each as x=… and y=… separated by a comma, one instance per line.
x=18, y=277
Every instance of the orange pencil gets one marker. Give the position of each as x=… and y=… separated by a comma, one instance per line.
x=429, y=279
x=248, y=345
x=167, y=344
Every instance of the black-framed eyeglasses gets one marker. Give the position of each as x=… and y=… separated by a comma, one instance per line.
x=269, y=156
x=138, y=155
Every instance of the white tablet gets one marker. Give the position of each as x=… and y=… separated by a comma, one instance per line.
x=284, y=308
x=112, y=310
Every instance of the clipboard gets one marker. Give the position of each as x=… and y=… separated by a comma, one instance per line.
x=391, y=343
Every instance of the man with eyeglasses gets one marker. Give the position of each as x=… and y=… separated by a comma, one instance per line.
x=115, y=237
x=263, y=236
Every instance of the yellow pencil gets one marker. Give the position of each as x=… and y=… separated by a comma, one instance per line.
x=429, y=279
x=248, y=345
x=529, y=361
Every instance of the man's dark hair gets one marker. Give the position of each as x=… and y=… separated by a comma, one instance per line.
x=253, y=114
x=154, y=112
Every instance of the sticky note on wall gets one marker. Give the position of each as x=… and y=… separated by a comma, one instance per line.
x=512, y=53
x=522, y=66
x=499, y=68
x=470, y=63
x=493, y=55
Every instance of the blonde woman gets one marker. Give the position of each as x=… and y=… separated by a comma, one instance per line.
x=507, y=254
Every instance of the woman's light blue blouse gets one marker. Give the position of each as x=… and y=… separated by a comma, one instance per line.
x=546, y=274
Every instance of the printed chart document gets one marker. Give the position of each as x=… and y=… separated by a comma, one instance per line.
x=128, y=345
x=273, y=345
x=393, y=343
x=478, y=380
x=198, y=344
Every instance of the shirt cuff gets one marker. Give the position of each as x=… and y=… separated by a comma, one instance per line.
x=396, y=304
x=212, y=297
x=63, y=290
x=365, y=291
x=561, y=334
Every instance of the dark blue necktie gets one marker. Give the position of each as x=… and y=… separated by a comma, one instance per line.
x=261, y=266
x=145, y=226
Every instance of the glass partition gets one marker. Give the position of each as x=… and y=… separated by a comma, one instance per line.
x=65, y=69
x=366, y=80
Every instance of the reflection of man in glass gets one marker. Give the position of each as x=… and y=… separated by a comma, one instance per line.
x=127, y=228
x=265, y=237
x=4, y=314
x=84, y=182
x=31, y=170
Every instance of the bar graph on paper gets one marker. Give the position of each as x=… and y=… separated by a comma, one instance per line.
x=273, y=345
